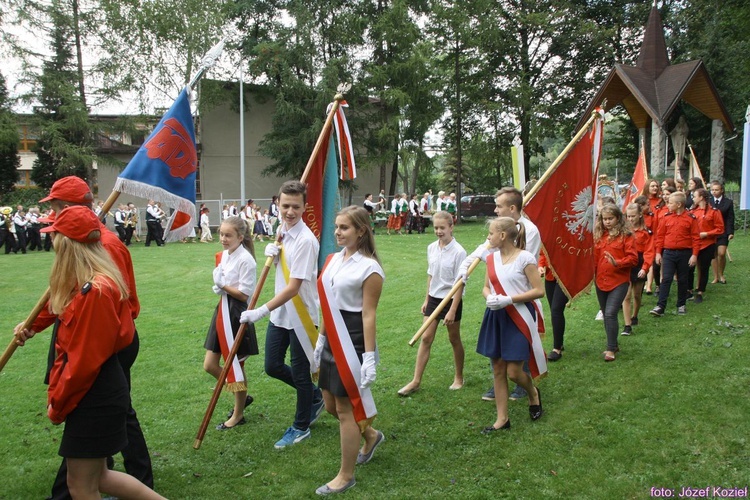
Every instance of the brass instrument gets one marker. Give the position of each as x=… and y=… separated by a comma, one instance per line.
x=131, y=220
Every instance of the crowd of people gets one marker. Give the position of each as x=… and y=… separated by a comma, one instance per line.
x=411, y=214
x=20, y=231
x=89, y=381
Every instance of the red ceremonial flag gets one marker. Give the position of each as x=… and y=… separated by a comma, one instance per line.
x=563, y=210
x=639, y=179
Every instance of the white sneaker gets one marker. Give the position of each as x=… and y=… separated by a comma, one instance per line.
x=599, y=316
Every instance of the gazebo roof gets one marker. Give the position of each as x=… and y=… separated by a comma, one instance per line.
x=651, y=90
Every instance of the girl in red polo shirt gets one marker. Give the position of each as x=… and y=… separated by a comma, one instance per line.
x=614, y=254
x=645, y=248
x=711, y=226
x=87, y=386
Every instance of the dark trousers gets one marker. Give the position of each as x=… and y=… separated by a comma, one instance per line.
x=278, y=340
x=47, y=242
x=674, y=261
x=557, y=301
x=10, y=243
x=135, y=455
x=610, y=303
x=128, y=235
x=21, y=238
x=120, y=232
x=705, y=257
x=34, y=237
x=154, y=233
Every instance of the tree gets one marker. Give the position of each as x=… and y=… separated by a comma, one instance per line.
x=64, y=146
x=718, y=36
x=9, y=139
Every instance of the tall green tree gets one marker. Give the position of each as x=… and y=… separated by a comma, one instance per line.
x=9, y=139
x=453, y=29
x=65, y=145
x=716, y=32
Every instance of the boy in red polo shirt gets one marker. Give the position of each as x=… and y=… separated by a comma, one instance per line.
x=677, y=246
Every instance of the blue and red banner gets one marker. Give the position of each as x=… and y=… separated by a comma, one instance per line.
x=164, y=168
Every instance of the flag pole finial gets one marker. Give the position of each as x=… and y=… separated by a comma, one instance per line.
x=208, y=61
x=342, y=89
x=747, y=115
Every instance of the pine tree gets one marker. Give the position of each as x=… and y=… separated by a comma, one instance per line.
x=9, y=139
x=64, y=146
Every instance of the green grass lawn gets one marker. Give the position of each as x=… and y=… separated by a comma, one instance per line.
x=672, y=411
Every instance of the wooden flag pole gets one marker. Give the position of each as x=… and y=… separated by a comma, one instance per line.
x=262, y=279
x=547, y=174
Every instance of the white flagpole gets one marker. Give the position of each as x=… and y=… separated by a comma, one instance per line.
x=242, y=138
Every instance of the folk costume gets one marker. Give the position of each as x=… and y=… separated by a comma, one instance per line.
x=394, y=218
x=340, y=290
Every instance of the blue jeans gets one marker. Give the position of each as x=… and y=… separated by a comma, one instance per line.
x=278, y=340
x=610, y=303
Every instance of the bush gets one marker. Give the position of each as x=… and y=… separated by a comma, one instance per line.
x=28, y=197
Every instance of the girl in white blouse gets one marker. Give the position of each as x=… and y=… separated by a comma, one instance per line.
x=350, y=288
x=234, y=283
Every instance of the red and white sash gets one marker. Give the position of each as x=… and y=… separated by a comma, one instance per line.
x=529, y=325
x=235, y=378
x=347, y=362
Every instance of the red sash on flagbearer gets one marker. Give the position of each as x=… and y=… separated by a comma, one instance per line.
x=347, y=361
x=529, y=326
x=235, y=378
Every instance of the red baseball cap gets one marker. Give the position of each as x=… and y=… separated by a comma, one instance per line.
x=49, y=219
x=77, y=223
x=72, y=189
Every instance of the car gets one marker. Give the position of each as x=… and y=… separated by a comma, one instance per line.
x=477, y=205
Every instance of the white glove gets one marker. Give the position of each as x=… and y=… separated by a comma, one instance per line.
x=496, y=302
x=461, y=276
x=315, y=366
x=254, y=315
x=367, y=373
x=219, y=276
x=217, y=290
x=272, y=250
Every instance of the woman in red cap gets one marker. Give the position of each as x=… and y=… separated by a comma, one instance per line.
x=87, y=387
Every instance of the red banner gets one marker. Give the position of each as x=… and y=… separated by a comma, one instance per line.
x=563, y=210
x=639, y=180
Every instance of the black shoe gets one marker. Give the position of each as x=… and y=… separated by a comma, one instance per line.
x=634, y=321
x=698, y=298
x=248, y=401
x=535, y=411
x=657, y=311
x=491, y=428
x=224, y=427
x=554, y=356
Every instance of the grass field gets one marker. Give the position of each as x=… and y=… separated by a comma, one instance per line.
x=671, y=412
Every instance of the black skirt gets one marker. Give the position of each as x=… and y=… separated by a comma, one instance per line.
x=433, y=302
x=249, y=345
x=96, y=427
x=636, y=269
x=329, y=378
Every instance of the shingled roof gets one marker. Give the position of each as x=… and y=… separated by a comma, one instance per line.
x=652, y=89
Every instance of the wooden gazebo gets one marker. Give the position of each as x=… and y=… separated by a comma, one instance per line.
x=651, y=90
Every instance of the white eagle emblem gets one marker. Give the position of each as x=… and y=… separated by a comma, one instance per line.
x=581, y=218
